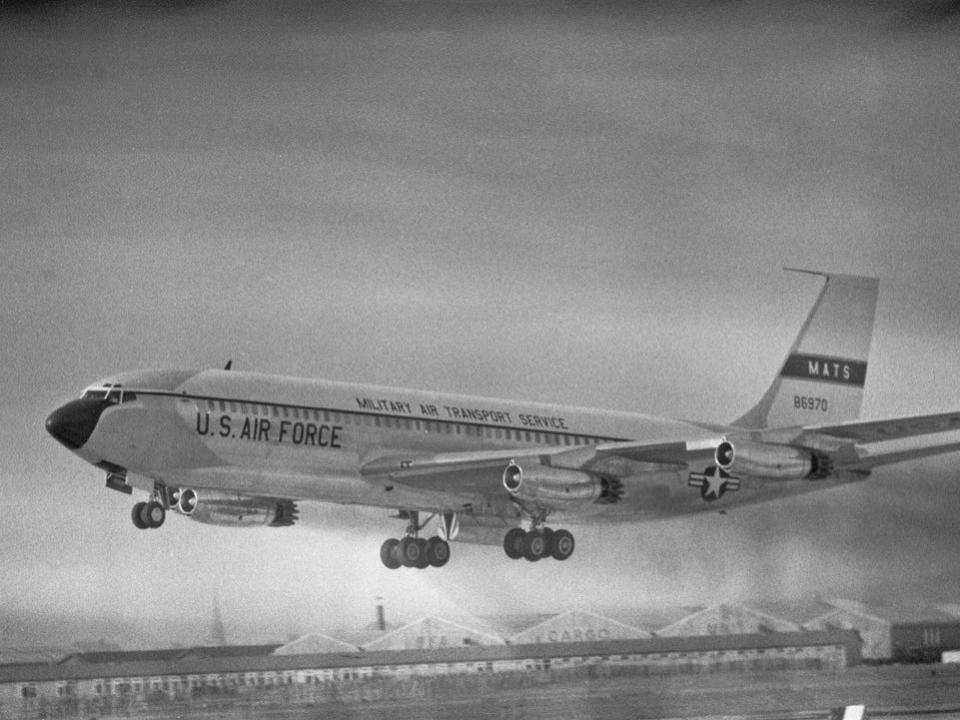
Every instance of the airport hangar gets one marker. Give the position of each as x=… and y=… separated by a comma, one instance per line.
x=431, y=647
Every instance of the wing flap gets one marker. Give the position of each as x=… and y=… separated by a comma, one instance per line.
x=890, y=429
x=869, y=444
x=680, y=453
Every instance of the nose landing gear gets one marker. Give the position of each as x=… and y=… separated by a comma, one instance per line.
x=151, y=514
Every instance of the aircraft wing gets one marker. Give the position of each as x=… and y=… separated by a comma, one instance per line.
x=480, y=471
x=868, y=444
x=854, y=446
x=891, y=429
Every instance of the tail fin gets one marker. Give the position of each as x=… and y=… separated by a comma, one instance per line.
x=822, y=379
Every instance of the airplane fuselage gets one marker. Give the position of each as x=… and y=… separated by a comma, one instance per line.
x=310, y=439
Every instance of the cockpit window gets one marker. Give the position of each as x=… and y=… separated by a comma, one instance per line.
x=113, y=393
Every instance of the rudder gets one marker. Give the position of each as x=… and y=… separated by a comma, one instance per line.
x=822, y=379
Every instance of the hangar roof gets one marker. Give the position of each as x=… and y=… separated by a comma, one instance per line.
x=901, y=615
x=198, y=652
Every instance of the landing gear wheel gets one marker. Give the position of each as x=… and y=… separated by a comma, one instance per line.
x=534, y=545
x=137, y=515
x=548, y=539
x=389, y=554
x=438, y=552
x=562, y=544
x=154, y=514
x=513, y=543
x=424, y=561
x=408, y=552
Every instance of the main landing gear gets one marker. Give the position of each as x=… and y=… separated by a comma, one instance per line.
x=538, y=543
x=413, y=551
x=151, y=514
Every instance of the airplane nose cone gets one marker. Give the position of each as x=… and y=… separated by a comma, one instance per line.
x=73, y=423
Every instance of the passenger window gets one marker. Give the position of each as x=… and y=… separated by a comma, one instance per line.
x=296, y=413
x=210, y=405
x=276, y=411
x=233, y=407
x=326, y=416
x=243, y=408
x=286, y=412
x=223, y=406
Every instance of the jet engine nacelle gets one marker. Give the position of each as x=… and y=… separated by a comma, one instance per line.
x=771, y=460
x=224, y=508
x=559, y=487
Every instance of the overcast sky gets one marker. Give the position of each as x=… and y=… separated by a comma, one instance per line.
x=531, y=200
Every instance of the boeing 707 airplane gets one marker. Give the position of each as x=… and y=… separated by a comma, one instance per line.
x=241, y=448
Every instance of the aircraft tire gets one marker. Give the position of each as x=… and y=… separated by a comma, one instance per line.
x=534, y=546
x=562, y=545
x=389, y=553
x=155, y=514
x=137, y=515
x=548, y=539
x=408, y=552
x=424, y=561
x=513, y=543
x=438, y=552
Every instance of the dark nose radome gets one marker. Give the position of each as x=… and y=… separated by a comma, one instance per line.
x=73, y=423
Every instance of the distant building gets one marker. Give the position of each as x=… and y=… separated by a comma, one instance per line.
x=577, y=626
x=197, y=671
x=315, y=644
x=431, y=632
x=905, y=634
x=724, y=619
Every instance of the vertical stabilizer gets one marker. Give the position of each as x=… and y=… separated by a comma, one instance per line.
x=822, y=379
